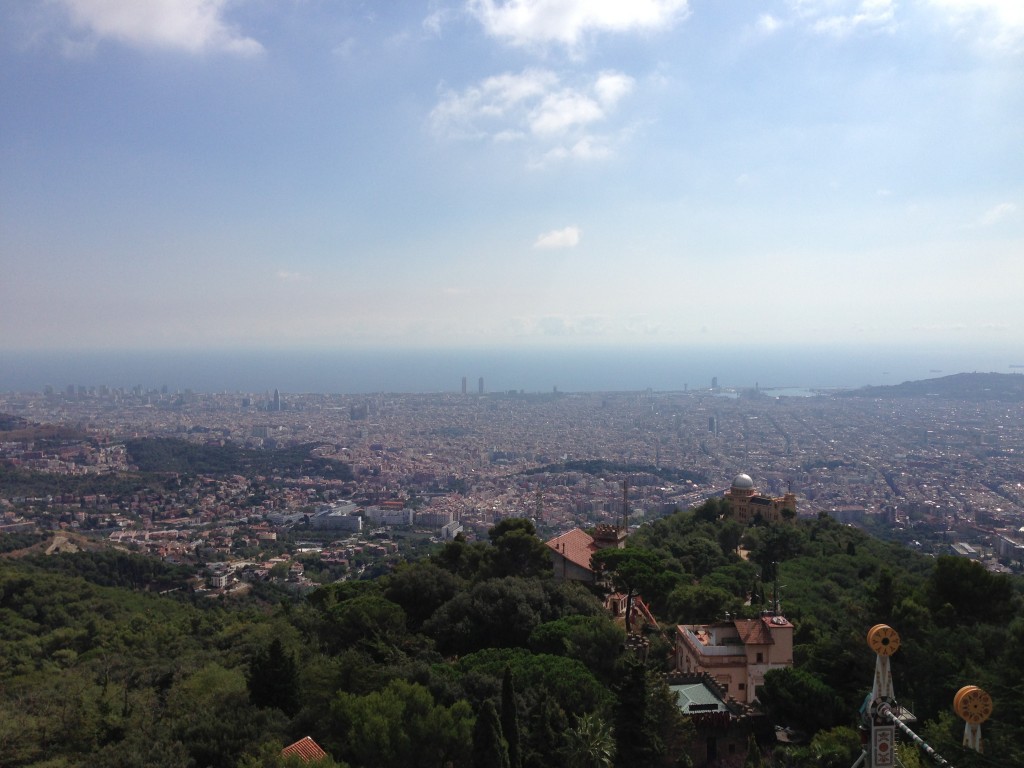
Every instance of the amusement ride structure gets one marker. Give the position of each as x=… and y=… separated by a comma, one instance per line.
x=882, y=715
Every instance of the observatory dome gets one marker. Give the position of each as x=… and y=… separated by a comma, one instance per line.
x=742, y=482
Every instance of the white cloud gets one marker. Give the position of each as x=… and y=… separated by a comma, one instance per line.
x=559, y=112
x=536, y=105
x=190, y=25
x=500, y=99
x=840, y=18
x=1006, y=12
x=998, y=213
x=998, y=22
x=587, y=148
x=611, y=87
x=559, y=238
x=531, y=23
x=768, y=24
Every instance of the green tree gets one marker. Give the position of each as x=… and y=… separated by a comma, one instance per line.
x=793, y=697
x=369, y=623
x=501, y=613
x=836, y=748
x=591, y=743
x=464, y=559
x=490, y=750
x=420, y=589
x=510, y=719
x=516, y=550
x=210, y=713
x=595, y=640
x=636, y=745
x=637, y=571
x=692, y=603
x=971, y=593
x=273, y=679
x=399, y=727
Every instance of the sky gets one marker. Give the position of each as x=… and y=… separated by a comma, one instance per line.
x=205, y=174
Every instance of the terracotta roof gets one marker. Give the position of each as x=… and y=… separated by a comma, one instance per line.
x=754, y=632
x=576, y=546
x=305, y=748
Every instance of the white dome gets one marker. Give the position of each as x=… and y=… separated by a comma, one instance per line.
x=742, y=482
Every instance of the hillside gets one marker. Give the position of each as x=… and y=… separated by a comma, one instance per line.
x=98, y=670
x=974, y=387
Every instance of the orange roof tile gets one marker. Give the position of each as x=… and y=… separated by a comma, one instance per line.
x=754, y=632
x=305, y=748
x=576, y=546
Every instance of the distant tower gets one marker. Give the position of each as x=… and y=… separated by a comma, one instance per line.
x=480, y=386
x=714, y=382
x=625, y=505
x=463, y=385
x=277, y=400
x=713, y=425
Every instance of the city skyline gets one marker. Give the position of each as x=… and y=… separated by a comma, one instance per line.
x=200, y=175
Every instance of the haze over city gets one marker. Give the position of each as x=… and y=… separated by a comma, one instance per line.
x=210, y=175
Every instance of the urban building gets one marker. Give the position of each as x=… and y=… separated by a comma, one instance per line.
x=735, y=653
x=337, y=517
x=385, y=515
x=746, y=504
x=572, y=550
x=723, y=725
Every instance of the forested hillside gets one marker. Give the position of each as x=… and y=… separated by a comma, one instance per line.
x=476, y=656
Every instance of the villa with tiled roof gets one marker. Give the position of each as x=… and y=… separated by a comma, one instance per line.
x=735, y=653
x=572, y=550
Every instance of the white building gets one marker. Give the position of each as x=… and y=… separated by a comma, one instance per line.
x=386, y=516
x=337, y=517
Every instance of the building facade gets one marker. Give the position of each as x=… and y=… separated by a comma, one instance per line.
x=747, y=505
x=736, y=653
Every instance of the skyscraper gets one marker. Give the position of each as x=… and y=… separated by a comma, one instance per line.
x=480, y=386
x=463, y=385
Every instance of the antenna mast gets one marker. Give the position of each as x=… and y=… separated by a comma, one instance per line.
x=625, y=505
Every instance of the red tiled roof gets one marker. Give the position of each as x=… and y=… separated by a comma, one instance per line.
x=754, y=632
x=305, y=748
x=576, y=546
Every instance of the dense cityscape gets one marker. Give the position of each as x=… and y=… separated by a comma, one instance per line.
x=937, y=472
x=512, y=384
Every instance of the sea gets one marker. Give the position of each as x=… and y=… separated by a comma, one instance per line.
x=792, y=370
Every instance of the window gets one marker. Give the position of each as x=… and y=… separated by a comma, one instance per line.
x=760, y=658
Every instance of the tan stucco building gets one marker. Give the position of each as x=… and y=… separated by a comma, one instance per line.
x=745, y=503
x=735, y=653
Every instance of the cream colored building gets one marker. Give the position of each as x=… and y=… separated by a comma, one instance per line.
x=746, y=504
x=735, y=653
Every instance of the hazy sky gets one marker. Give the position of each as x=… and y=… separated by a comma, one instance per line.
x=215, y=173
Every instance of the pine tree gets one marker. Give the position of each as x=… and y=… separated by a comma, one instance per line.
x=510, y=719
x=490, y=750
x=274, y=679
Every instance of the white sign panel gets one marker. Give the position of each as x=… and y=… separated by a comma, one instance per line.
x=883, y=745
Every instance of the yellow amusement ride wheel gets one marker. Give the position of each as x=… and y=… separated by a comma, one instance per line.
x=972, y=704
x=883, y=640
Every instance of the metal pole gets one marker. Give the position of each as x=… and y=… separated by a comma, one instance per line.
x=885, y=711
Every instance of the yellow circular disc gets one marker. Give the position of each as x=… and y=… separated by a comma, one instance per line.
x=973, y=704
x=883, y=640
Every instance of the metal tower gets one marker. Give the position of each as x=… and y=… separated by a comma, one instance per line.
x=882, y=715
